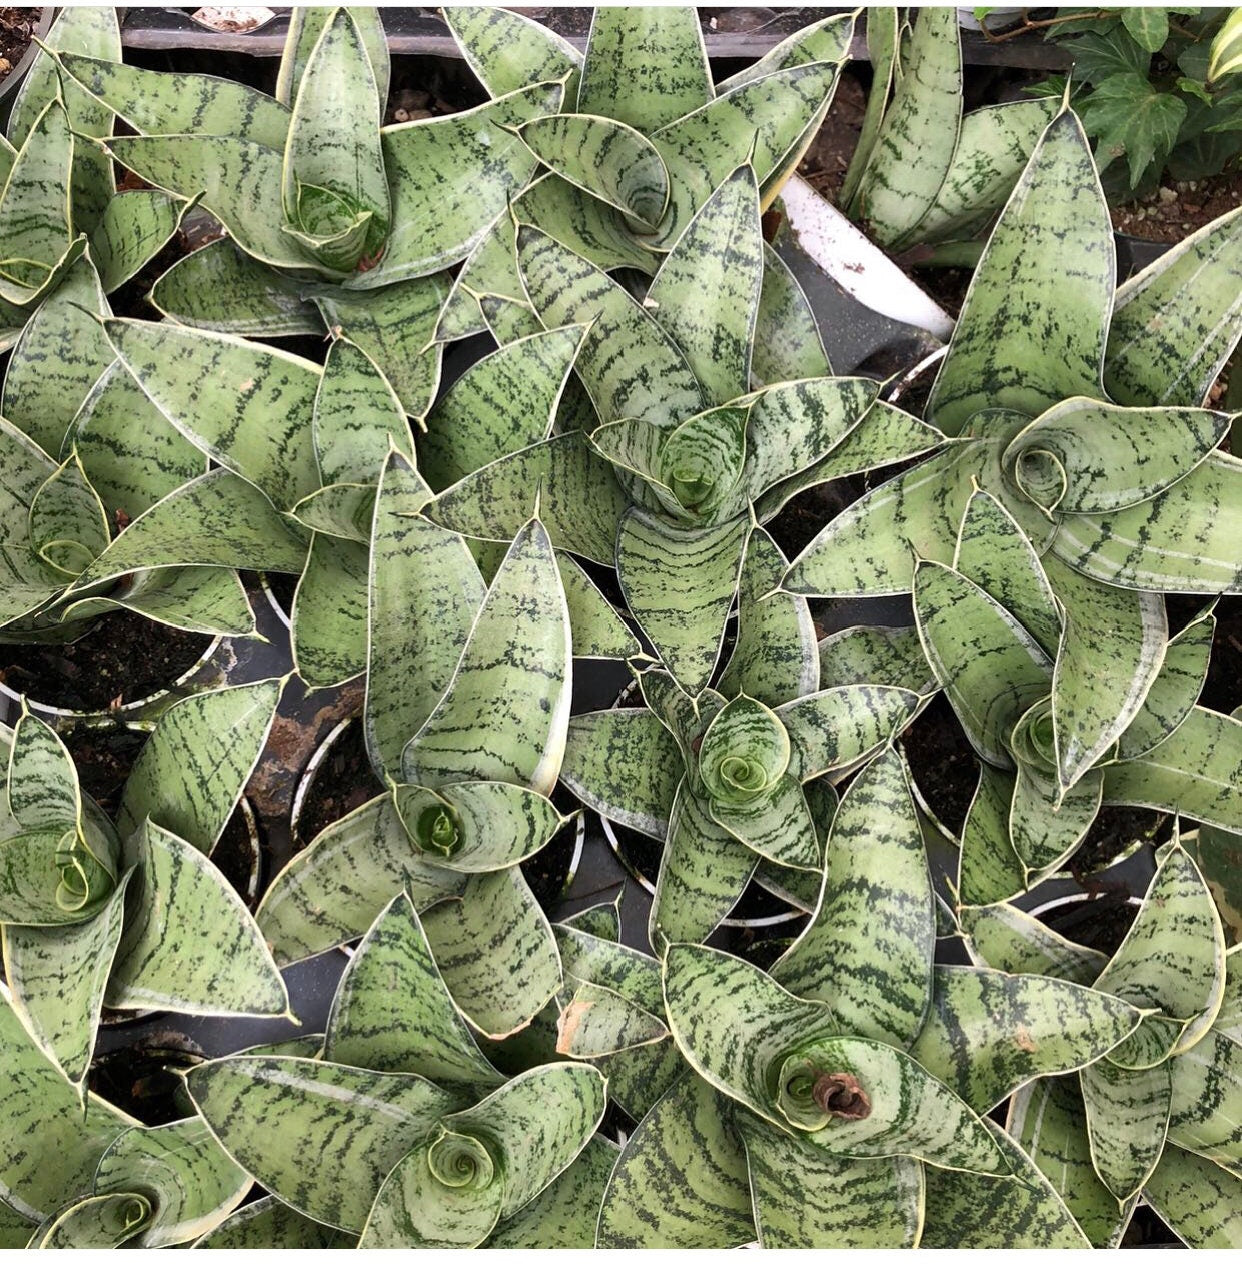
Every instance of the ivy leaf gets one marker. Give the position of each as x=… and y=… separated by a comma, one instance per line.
x=1133, y=118
x=1099, y=54
x=1149, y=27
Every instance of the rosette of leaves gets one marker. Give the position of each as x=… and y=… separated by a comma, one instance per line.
x=995, y=633
x=642, y=139
x=60, y=201
x=431, y=1146
x=924, y=169
x=1076, y=405
x=727, y=780
x=76, y=1172
x=689, y=459
x=132, y=914
x=842, y=1098
x=1155, y=1119
x=333, y=220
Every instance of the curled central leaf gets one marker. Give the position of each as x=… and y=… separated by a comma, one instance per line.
x=84, y=882
x=1040, y=476
x=460, y=1162
x=1033, y=740
x=436, y=830
x=744, y=752
x=701, y=460
x=810, y=1095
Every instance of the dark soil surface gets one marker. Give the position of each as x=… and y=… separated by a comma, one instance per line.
x=1177, y=209
x=16, y=28
x=238, y=857
x=141, y=1080
x=942, y=762
x=809, y=512
x=104, y=757
x=343, y=782
x=1223, y=689
x=548, y=872
x=124, y=658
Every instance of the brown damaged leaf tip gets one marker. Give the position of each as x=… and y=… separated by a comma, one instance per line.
x=839, y=1094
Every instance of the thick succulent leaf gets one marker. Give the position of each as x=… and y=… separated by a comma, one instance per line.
x=196, y=599
x=452, y=177
x=505, y=713
x=843, y=726
x=990, y=667
x=1005, y=938
x=703, y=873
x=1206, y=1111
x=681, y=1177
x=596, y=1023
x=59, y=356
x=1052, y=256
x=329, y=621
x=343, y=510
x=629, y=366
x=218, y=519
x=270, y=1223
x=507, y=50
x=189, y=944
x=135, y=226
x=645, y=66
x=52, y=879
x=824, y=41
x=1200, y=1202
x=221, y=288
x=706, y=294
x=425, y=592
x=788, y=345
x=56, y=977
x=607, y=963
x=988, y=1032
x=96, y=1221
x=775, y=658
x=753, y=1041
x=867, y=952
x=1127, y=1119
x=284, y=1119
x=194, y=767
x=68, y=527
x=305, y=26
x=419, y=1030
x=624, y=764
x=223, y=394
x=1172, y=960
x=495, y=951
x=914, y=149
x=871, y=655
x=805, y=1198
x=1195, y=772
x=599, y=632
x=779, y=826
x=333, y=890
x=685, y=622
x=1181, y=541
x=969, y=1211
x=580, y=500
x=357, y=418
x=1175, y=323
x=42, y=780
x=1112, y=643
x=1229, y=1020
x=1048, y=1121
x=1174, y=689
x=501, y=404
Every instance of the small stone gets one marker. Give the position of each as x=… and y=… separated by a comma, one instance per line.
x=1167, y=196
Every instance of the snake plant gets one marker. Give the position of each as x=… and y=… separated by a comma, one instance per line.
x=131, y=913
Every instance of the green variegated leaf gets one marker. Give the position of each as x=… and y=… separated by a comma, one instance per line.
x=871, y=654
x=221, y=392
x=788, y=345
x=98, y=1221
x=189, y=944
x=1171, y=961
x=706, y=294
x=412, y=559
x=867, y=952
x=703, y=873
x=598, y=631
x=999, y=356
x=1127, y=1119
x=624, y=764
x=505, y=712
x=580, y=500
x=1200, y=1202
x=764, y=1047
x=270, y=1223
x=629, y=366
x=284, y=1119
x=969, y=1211
x=1048, y=1121
x=67, y=524
x=775, y=658
x=421, y=1031
x=987, y=1033
x=564, y=1214
x=1206, y=1111
x=778, y=826
x=305, y=26
x=333, y=890
x=1229, y=1020
x=1005, y=938
x=345, y=511
x=192, y=770
x=1174, y=690
x=990, y=667
x=1046, y=824
x=357, y=418
x=681, y=1177
x=52, y=878
x=42, y=780
x=329, y=620
x=598, y=1022
x=1176, y=322
x=503, y=403
x=1195, y=772
x=841, y=727
x=451, y=177
x=913, y=151
x=990, y=870
x=135, y=226
x=496, y=952
x=645, y=66
x=884, y=35
x=825, y=41
x=805, y=1198
x=604, y=961
x=221, y=288
x=507, y=50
